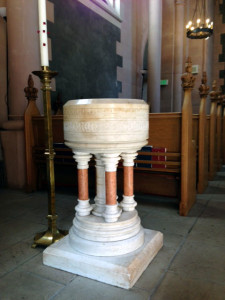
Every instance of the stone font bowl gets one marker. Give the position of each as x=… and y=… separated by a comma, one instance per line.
x=106, y=125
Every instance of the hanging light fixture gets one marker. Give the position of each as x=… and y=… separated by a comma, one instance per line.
x=199, y=27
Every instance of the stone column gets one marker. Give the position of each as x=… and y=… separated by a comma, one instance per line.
x=100, y=187
x=3, y=72
x=128, y=203
x=178, y=54
x=154, y=54
x=23, y=51
x=83, y=207
x=112, y=211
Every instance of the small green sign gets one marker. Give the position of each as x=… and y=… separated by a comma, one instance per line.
x=164, y=82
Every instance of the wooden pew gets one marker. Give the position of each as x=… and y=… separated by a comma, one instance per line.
x=172, y=131
x=164, y=179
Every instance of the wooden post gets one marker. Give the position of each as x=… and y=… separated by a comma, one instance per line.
x=203, y=141
x=188, y=149
x=31, y=110
x=212, y=132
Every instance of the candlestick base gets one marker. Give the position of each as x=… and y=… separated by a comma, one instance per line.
x=48, y=237
x=51, y=235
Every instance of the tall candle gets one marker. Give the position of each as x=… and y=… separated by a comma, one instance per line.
x=43, y=32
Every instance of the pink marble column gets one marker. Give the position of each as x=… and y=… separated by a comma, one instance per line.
x=128, y=203
x=83, y=184
x=128, y=184
x=83, y=207
x=110, y=187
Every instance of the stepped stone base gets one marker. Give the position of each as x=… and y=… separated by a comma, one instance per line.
x=122, y=271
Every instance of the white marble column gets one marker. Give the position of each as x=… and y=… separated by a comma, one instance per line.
x=128, y=203
x=112, y=211
x=99, y=206
x=83, y=207
x=154, y=54
x=178, y=55
x=23, y=51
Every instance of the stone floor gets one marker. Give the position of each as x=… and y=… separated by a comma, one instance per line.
x=191, y=265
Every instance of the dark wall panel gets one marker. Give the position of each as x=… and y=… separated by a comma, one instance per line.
x=83, y=52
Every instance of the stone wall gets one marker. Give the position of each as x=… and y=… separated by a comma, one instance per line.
x=83, y=52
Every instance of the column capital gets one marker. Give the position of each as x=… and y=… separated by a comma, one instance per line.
x=128, y=159
x=82, y=159
x=110, y=161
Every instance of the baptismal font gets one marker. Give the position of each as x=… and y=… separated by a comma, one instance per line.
x=106, y=241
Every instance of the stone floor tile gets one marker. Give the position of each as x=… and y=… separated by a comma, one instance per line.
x=176, y=224
x=36, y=215
x=143, y=210
x=198, y=208
x=221, y=174
x=179, y=287
x=87, y=289
x=208, y=230
x=219, y=184
x=214, y=190
x=24, y=285
x=16, y=255
x=173, y=240
x=215, y=209
x=16, y=231
x=198, y=260
x=36, y=267
x=156, y=269
x=5, y=219
x=204, y=197
x=66, y=222
x=218, y=197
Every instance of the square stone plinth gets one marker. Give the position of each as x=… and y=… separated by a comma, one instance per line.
x=122, y=271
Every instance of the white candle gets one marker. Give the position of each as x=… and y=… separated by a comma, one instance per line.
x=43, y=32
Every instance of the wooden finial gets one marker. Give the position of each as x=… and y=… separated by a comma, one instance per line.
x=187, y=78
x=214, y=94
x=204, y=88
x=30, y=90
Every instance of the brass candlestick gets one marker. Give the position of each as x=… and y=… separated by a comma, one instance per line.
x=52, y=234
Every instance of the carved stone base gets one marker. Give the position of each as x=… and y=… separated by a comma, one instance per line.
x=122, y=271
